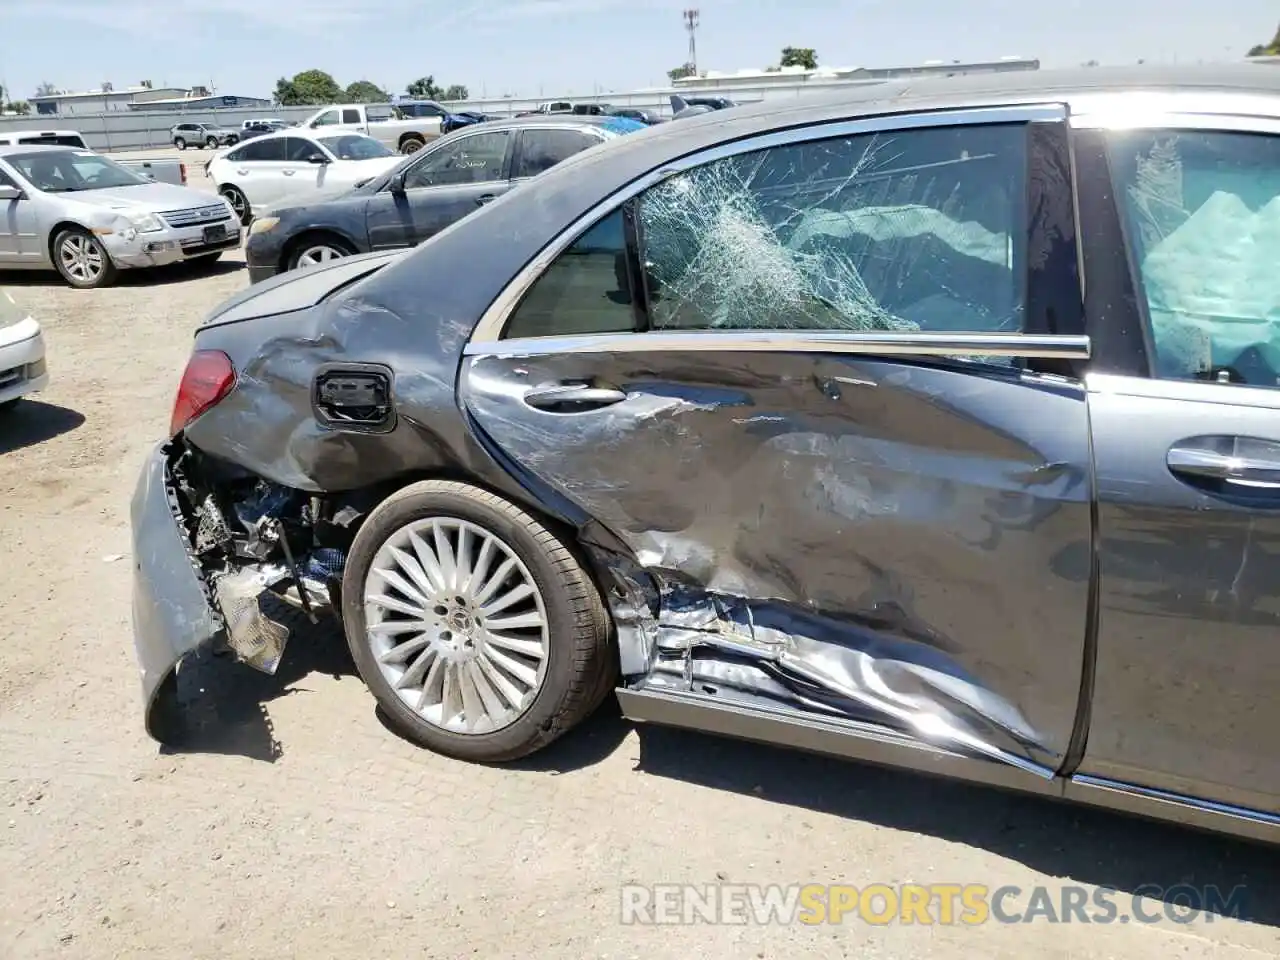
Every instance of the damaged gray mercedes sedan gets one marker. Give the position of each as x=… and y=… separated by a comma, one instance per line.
x=934, y=425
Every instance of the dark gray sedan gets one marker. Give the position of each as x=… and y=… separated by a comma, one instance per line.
x=935, y=425
x=443, y=183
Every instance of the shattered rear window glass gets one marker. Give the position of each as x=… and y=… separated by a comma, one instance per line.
x=900, y=232
x=1203, y=216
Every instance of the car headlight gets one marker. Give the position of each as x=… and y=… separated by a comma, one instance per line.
x=144, y=222
x=263, y=224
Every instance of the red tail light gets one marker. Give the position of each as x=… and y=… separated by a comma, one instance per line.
x=208, y=378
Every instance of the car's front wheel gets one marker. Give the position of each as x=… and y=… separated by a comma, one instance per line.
x=475, y=627
x=212, y=143
x=412, y=145
x=317, y=249
x=82, y=260
x=239, y=203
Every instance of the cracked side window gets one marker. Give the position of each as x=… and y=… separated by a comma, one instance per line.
x=914, y=230
x=1202, y=212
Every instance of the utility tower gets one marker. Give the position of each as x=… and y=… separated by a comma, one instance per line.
x=691, y=24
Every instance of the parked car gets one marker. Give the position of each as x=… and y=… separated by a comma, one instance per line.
x=648, y=117
x=799, y=422
x=288, y=165
x=550, y=106
x=202, y=134
x=87, y=217
x=161, y=169
x=257, y=121
x=685, y=107
x=379, y=121
x=466, y=118
x=22, y=359
x=453, y=177
x=258, y=129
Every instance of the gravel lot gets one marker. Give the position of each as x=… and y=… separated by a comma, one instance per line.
x=296, y=825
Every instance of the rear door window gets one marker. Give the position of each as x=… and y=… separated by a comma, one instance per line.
x=542, y=149
x=265, y=149
x=1201, y=211
x=350, y=116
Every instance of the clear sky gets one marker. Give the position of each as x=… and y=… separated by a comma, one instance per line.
x=551, y=47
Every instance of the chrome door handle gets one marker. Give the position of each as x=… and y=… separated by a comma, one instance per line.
x=242, y=171
x=573, y=396
x=288, y=173
x=1199, y=463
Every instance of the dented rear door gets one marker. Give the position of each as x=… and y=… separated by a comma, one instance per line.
x=825, y=391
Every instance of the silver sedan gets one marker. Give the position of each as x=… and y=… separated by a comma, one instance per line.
x=87, y=217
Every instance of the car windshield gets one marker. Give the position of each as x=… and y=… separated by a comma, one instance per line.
x=355, y=147
x=67, y=171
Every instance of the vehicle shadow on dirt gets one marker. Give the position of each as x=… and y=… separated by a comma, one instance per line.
x=29, y=422
x=1178, y=866
x=152, y=277
x=221, y=704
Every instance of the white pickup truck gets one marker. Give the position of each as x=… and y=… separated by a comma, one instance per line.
x=160, y=169
x=378, y=120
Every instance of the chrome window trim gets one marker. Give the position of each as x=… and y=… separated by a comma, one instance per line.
x=1138, y=117
x=1035, y=346
x=490, y=327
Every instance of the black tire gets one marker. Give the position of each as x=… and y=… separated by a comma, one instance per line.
x=8, y=405
x=104, y=278
x=239, y=202
x=412, y=145
x=582, y=665
x=180, y=143
x=212, y=143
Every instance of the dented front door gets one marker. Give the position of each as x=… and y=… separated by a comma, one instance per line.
x=738, y=375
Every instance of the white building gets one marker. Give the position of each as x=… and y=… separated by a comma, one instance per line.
x=790, y=76
x=107, y=99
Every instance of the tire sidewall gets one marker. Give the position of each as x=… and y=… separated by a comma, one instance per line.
x=414, y=143
x=108, y=268
x=401, y=511
x=227, y=192
x=180, y=143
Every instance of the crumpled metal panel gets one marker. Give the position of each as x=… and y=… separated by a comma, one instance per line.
x=171, y=611
x=907, y=535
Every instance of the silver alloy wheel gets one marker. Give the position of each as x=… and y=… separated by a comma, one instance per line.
x=81, y=258
x=456, y=624
x=318, y=253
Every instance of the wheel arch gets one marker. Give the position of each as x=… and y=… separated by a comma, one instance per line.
x=58, y=228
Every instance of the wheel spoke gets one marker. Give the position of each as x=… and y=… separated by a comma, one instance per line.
x=406, y=650
x=519, y=671
x=444, y=553
x=389, y=628
x=512, y=596
x=527, y=621
x=492, y=702
x=399, y=606
x=417, y=670
x=415, y=573
x=401, y=584
x=529, y=648
x=493, y=581
x=431, y=684
x=472, y=706
x=504, y=686
x=426, y=556
x=450, y=694
x=480, y=567
x=462, y=560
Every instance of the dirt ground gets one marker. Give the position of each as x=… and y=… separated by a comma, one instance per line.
x=296, y=825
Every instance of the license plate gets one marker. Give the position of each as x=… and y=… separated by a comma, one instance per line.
x=217, y=232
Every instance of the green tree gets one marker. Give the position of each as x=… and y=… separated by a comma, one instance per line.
x=424, y=88
x=799, y=57
x=680, y=72
x=20, y=107
x=365, y=91
x=310, y=87
x=456, y=91
x=1267, y=50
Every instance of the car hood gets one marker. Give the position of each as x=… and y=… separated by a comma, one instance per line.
x=298, y=289
x=142, y=198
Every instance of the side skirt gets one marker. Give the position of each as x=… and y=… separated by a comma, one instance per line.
x=866, y=743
